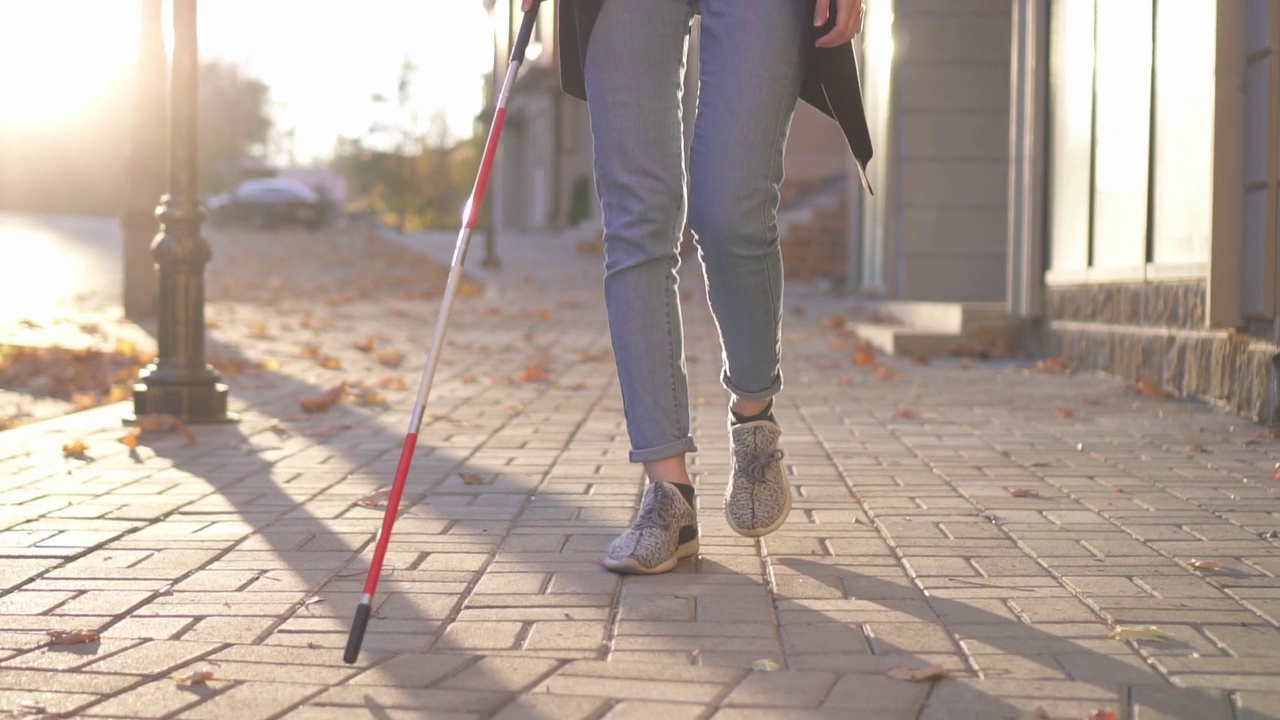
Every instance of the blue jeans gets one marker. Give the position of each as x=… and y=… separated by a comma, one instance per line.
x=752, y=61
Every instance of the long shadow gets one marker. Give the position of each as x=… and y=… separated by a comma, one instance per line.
x=949, y=699
x=308, y=517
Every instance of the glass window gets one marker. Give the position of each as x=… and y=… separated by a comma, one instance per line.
x=1070, y=133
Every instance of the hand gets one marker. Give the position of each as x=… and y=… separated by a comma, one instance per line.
x=848, y=20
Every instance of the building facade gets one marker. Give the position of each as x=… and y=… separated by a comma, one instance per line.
x=1108, y=170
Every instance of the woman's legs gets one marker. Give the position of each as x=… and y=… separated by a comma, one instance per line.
x=634, y=74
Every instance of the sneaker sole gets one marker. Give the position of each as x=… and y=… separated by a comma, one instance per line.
x=630, y=567
x=761, y=532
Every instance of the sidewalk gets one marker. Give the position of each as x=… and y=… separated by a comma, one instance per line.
x=1021, y=529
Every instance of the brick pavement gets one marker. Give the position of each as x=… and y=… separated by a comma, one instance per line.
x=907, y=546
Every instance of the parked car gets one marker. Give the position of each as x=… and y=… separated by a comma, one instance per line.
x=269, y=203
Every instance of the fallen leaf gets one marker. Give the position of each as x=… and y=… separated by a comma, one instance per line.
x=1104, y=714
x=310, y=351
x=75, y=449
x=195, y=677
x=864, y=355
x=1195, y=449
x=845, y=379
x=474, y=478
x=833, y=322
x=544, y=314
x=330, y=362
x=130, y=438
x=375, y=499
x=467, y=379
x=1053, y=366
x=534, y=374
x=906, y=414
x=765, y=665
x=72, y=637
x=1064, y=412
x=1041, y=714
x=1150, y=388
x=1139, y=632
x=84, y=401
x=917, y=674
x=367, y=345
x=160, y=422
x=323, y=402
x=392, y=382
x=920, y=359
x=885, y=373
x=1024, y=492
x=268, y=364
x=260, y=330
x=1206, y=565
x=370, y=396
x=391, y=358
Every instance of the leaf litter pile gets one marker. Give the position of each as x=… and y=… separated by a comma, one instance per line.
x=65, y=379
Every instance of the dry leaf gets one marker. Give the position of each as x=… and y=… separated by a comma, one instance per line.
x=1053, y=366
x=845, y=379
x=1024, y=492
x=864, y=355
x=375, y=499
x=1151, y=388
x=535, y=374
x=260, y=330
x=1104, y=714
x=268, y=364
x=1195, y=449
x=1206, y=565
x=72, y=637
x=370, y=396
x=159, y=422
x=1041, y=714
x=75, y=449
x=833, y=322
x=130, y=438
x=1139, y=632
x=367, y=345
x=84, y=401
x=473, y=479
x=919, y=359
x=544, y=314
x=916, y=674
x=310, y=351
x=467, y=379
x=1063, y=412
x=195, y=677
x=391, y=358
x=906, y=414
x=885, y=373
x=323, y=402
x=392, y=382
x=330, y=362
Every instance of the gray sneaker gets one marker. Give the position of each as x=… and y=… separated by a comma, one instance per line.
x=665, y=530
x=758, y=497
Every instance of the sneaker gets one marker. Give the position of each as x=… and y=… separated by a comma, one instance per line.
x=758, y=497
x=665, y=530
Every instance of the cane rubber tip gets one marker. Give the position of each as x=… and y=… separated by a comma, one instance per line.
x=356, y=639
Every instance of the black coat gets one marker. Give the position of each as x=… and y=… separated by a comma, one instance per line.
x=830, y=82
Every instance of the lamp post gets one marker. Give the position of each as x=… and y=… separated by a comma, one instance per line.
x=145, y=169
x=179, y=382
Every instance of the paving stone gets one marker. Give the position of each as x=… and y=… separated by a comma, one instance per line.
x=781, y=690
x=251, y=700
x=540, y=707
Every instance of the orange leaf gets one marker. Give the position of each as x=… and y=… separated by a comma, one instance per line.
x=864, y=355
x=885, y=373
x=544, y=314
x=467, y=379
x=75, y=448
x=534, y=374
x=1063, y=412
x=1104, y=714
x=260, y=330
x=72, y=637
x=366, y=345
x=1206, y=565
x=1024, y=492
x=919, y=359
x=369, y=396
x=473, y=478
x=391, y=382
x=310, y=351
x=330, y=362
x=833, y=322
x=195, y=677
x=323, y=402
x=1053, y=366
x=157, y=422
x=391, y=358
x=375, y=499
x=1151, y=388
x=130, y=438
x=906, y=414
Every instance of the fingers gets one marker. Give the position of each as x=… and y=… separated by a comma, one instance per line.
x=821, y=11
x=848, y=23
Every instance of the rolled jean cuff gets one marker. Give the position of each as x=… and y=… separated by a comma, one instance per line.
x=662, y=452
x=774, y=388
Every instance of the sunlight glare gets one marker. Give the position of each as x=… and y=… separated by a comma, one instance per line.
x=60, y=56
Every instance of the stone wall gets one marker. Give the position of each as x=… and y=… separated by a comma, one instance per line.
x=1158, y=330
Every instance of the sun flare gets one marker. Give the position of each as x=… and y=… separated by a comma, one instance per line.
x=58, y=58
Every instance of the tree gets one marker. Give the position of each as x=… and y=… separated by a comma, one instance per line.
x=234, y=123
